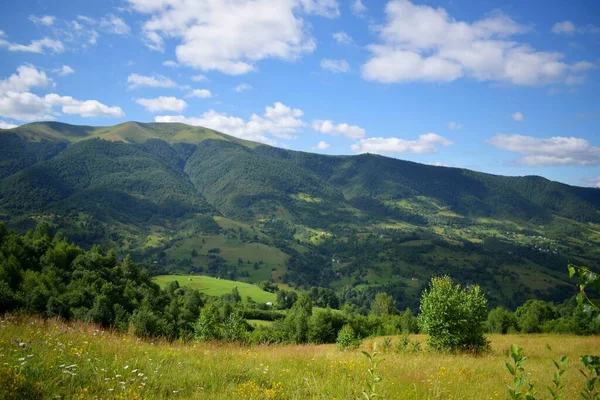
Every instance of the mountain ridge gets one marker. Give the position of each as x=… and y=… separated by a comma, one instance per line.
x=169, y=193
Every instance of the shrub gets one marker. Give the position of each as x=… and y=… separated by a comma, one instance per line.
x=453, y=316
x=347, y=338
x=501, y=320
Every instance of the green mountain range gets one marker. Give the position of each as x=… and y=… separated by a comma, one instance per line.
x=189, y=199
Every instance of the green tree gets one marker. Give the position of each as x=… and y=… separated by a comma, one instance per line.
x=296, y=321
x=382, y=305
x=501, y=320
x=453, y=316
x=532, y=315
x=208, y=326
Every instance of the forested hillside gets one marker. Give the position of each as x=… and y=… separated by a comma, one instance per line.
x=188, y=199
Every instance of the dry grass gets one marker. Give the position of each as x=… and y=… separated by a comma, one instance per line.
x=81, y=361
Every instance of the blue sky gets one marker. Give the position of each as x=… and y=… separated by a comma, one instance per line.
x=503, y=87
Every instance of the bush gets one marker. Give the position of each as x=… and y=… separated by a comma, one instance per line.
x=501, y=320
x=453, y=316
x=347, y=338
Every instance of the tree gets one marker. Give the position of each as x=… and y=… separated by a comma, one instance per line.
x=501, y=320
x=296, y=321
x=532, y=315
x=382, y=305
x=453, y=316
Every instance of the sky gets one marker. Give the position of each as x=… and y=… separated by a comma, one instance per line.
x=505, y=87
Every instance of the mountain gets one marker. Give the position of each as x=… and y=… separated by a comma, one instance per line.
x=185, y=198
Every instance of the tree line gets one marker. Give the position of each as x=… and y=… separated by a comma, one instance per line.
x=46, y=274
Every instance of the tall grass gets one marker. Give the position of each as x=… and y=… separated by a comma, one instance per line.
x=76, y=360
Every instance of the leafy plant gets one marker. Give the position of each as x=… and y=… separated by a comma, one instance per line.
x=522, y=388
x=373, y=377
x=453, y=316
x=347, y=338
x=591, y=390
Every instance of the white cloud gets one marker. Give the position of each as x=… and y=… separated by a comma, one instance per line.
x=552, y=151
x=46, y=20
x=16, y=102
x=421, y=43
x=199, y=78
x=87, y=108
x=595, y=182
x=324, y=8
x=7, y=125
x=329, y=128
x=569, y=28
x=279, y=120
x=454, y=126
x=157, y=81
x=566, y=27
x=583, y=66
x=163, y=103
x=358, y=8
x=115, y=25
x=342, y=37
x=35, y=46
x=201, y=93
x=517, y=116
x=242, y=87
x=170, y=64
x=427, y=143
x=322, y=145
x=64, y=70
x=335, y=66
x=26, y=78
x=213, y=35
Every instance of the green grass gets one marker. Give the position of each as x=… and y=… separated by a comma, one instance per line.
x=85, y=362
x=232, y=249
x=217, y=287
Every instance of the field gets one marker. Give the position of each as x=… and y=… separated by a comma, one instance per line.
x=217, y=287
x=82, y=361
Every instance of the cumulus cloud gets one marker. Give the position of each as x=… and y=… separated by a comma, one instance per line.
x=162, y=103
x=115, y=25
x=64, y=70
x=242, y=87
x=213, y=35
x=343, y=38
x=35, y=46
x=329, y=128
x=517, y=116
x=551, y=151
x=18, y=103
x=424, y=144
x=199, y=78
x=322, y=145
x=569, y=28
x=454, y=126
x=201, y=93
x=422, y=43
x=46, y=20
x=566, y=27
x=87, y=108
x=279, y=121
x=7, y=125
x=157, y=81
x=170, y=64
x=358, y=8
x=324, y=8
x=335, y=66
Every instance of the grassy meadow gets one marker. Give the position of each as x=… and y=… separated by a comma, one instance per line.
x=51, y=359
x=217, y=287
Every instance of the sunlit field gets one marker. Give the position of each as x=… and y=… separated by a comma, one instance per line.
x=51, y=359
